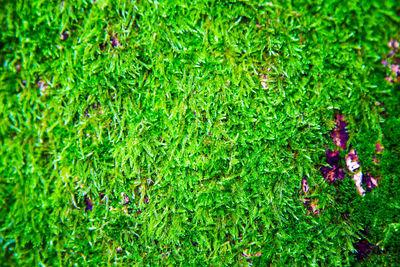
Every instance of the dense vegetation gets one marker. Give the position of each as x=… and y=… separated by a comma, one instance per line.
x=179, y=132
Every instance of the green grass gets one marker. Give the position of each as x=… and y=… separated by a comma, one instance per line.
x=210, y=159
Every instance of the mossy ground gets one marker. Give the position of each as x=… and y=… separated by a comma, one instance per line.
x=178, y=132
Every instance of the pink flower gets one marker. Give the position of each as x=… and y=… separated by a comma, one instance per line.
x=42, y=87
x=125, y=198
x=395, y=45
x=264, y=85
x=114, y=41
x=389, y=79
x=64, y=35
x=395, y=68
x=378, y=147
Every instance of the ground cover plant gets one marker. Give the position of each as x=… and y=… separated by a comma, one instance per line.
x=199, y=133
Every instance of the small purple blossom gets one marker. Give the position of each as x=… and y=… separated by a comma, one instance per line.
x=264, y=85
x=378, y=147
x=114, y=41
x=64, y=35
x=40, y=84
x=395, y=45
x=385, y=62
x=125, y=198
x=87, y=114
x=395, y=68
x=89, y=204
x=42, y=87
x=389, y=79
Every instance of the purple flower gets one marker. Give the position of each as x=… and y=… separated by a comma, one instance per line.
x=114, y=41
x=389, y=79
x=89, y=204
x=385, y=62
x=64, y=35
x=395, y=68
x=87, y=113
x=378, y=147
x=125, y=198
x=42, y=87
x=395, y=45
x=264, y=85
x=40, y=84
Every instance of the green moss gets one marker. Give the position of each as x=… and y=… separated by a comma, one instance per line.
x=210, y=158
